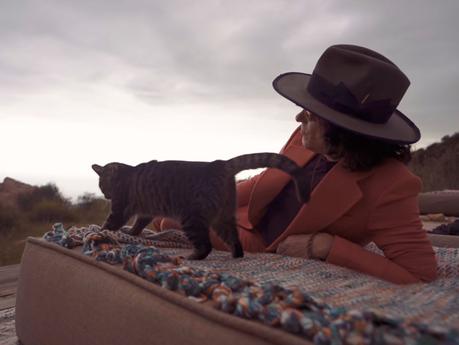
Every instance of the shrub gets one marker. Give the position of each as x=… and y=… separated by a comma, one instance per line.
x=27, y=201
x=438, y=164
x=51, y=211
x=86, y=201
x=92, y=209
x=8, y=219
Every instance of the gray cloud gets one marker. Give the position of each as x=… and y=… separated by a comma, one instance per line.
x=223, y=52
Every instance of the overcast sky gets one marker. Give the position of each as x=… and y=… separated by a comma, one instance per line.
x=93, y=81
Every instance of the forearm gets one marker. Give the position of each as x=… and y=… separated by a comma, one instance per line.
x=350, y=255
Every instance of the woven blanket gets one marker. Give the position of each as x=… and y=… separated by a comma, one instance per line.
x=330, y=304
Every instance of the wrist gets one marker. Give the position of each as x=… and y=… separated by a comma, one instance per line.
x=321, y=245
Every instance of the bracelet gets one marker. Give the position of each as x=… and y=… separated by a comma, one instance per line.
x=309, y=246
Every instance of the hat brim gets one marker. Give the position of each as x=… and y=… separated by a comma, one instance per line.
x=398, y=129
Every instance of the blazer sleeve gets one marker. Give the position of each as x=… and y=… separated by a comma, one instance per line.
x=396, y=229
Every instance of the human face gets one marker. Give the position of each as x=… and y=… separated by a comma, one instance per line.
x=312, y=131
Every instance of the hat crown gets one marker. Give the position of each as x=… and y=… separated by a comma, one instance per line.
x=358, y=81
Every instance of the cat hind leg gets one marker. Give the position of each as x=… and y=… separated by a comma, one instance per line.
x=197, y=231
x=226, y=229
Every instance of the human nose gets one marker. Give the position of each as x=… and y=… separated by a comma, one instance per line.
x=303, y=116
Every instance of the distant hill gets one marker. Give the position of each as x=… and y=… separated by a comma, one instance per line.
x=438, y=164
x=11, y=189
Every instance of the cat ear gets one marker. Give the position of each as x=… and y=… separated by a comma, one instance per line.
x=98, y=169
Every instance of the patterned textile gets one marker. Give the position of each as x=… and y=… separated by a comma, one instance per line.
x=75, y=236
x=324, y=303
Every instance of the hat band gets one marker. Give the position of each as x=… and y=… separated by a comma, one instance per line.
x=339, y=98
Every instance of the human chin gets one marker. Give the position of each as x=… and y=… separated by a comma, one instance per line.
x=311, y=145
x=306, y=141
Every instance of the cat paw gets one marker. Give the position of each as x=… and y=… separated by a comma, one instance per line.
x=237, y=252
x=127, y=230
x=110, y=227
x=198, y=255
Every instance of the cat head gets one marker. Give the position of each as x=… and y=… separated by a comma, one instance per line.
x=110, y=177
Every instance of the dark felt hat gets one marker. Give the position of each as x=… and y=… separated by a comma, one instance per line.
x=354, y=88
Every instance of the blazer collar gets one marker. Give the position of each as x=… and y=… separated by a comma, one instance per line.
x=335, y=194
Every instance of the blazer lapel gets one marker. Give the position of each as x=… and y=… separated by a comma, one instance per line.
x=272, y=181
x=333, y=196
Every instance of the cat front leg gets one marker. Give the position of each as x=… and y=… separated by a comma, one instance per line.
x=140, y=223
x=226, y=229
x=119, y=215
x=114, y=221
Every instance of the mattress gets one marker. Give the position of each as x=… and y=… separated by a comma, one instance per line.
x=67, y=298
x=85, y=295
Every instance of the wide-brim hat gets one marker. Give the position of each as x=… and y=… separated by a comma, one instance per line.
x=354, y=88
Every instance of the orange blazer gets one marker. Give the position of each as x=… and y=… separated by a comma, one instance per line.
x=380, y=206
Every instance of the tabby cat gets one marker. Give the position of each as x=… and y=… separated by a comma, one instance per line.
x=199, y=194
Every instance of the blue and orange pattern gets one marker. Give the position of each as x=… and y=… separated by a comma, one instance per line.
x=274, y=304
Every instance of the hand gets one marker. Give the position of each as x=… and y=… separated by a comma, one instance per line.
x=296, y=245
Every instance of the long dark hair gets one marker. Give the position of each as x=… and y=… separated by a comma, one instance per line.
x=361, y=153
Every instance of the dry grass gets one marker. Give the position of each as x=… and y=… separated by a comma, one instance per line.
x=38, y=213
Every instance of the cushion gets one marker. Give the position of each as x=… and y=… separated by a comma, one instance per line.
x=67, y=298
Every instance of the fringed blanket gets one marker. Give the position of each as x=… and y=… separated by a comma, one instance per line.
x=324, y=303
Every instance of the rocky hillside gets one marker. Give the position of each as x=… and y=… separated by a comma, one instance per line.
x=11, y=189
x=438, y=164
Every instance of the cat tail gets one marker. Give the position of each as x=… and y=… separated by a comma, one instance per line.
x=271, y=160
